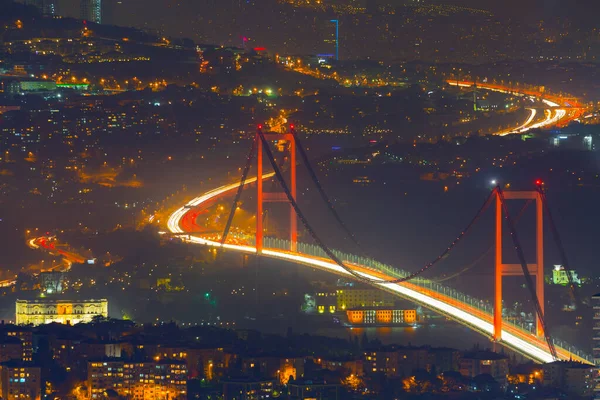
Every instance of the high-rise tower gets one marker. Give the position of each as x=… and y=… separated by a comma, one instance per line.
x=91, y=10
x=47, y=7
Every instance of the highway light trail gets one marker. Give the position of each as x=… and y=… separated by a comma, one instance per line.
x=554, y=114
x=39, y=243
x=532, y=114
x=521, y=341
x=550, y=120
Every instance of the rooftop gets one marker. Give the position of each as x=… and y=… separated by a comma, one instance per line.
x=571, y=364
x=59, y=301
x=246, y=379
x=312, y=382
x=18, y=364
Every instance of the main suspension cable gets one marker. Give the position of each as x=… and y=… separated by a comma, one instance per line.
x=485, y=253
x=468, y=267
x=561, y=248
x=447, y=251
x=328, y=251
x=528, y=279
x=236, y=200
x=300, y=214
x=320, y=189
x=351, y=234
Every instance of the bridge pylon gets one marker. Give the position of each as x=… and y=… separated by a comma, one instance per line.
x=502, y=269
x=275, y=197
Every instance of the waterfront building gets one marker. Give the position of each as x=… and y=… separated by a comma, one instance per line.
x=39, y=312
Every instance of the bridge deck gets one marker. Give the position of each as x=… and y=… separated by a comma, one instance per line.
x=448, y=304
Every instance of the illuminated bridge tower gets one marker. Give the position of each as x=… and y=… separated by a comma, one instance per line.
x=275, y=197
x=502, y=269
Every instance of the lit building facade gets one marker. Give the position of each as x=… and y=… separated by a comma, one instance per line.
x=574, y=378
x=91, y=10
x=352, y=298
x=381, y=316
x=247, y=388
x=354, y=367
x=326, y=302
x=596, y=348
x=280, y=368
x=560, y=277
x=402, y=361
x=20, y=381
x=207, y=363
x=37, y=85
x=48, y=7
x=384, y=361
x=52, y=281
x=11, y=348
x=312, y=389
x=39, y=312
x=25, y=335
x=140, y=381
x=485, y=362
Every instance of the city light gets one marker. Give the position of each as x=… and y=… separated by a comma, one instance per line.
x=125, y=132
x=337, y=38
x=525, y=343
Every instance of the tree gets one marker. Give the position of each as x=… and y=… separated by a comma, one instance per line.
x=414, y=385
x=452, y=381
x=486, y=383
x=421, y=382
x=354, y=383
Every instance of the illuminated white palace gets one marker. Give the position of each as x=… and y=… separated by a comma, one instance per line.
x=39, y=312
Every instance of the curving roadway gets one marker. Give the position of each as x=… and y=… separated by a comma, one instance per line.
x=554, y=114
x=513, y=337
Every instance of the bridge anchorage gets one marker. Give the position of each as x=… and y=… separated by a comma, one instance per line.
x=476, y=314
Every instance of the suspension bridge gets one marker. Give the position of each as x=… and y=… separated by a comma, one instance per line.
x=533, y=341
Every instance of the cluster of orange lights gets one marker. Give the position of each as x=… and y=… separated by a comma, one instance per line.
x=260, y=126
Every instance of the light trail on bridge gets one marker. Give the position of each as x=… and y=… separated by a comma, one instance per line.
x=523, y=342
